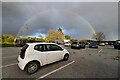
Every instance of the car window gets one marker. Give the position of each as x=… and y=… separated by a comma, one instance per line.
x=24, y=48
x=66, y=42
x=74, y=42
x=39, y=47
x=52, y=47
x=82, y=43
x=93, y=43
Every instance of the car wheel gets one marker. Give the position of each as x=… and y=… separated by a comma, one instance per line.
x=115, y=47
x=32, y=67
x=71, y=47
x=66, y=57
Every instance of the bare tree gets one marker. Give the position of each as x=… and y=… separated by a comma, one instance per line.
x=99, y=36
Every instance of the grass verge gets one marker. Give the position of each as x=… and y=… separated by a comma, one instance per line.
x=7, y=45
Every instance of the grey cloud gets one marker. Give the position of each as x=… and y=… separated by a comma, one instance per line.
x=103, y=17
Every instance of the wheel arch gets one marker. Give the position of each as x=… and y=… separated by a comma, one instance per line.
x=33, y=61
x=65, y=54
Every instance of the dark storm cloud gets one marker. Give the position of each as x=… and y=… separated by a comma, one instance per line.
x=103, y=17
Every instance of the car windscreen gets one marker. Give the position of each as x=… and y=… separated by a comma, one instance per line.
x=74, y=42
x=81, y=43
x=66, y=42
x=93, y=43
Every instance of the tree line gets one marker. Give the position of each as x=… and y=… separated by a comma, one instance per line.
x=51, y=36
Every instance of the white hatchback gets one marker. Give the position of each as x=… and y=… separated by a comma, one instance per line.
x=34, y=55
x=67, y=44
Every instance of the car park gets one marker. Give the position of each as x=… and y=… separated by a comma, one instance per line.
x=89, y=56
x=35, y=55
x=93, y=45
x=117, y=44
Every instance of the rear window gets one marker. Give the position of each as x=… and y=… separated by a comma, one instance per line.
x=24, y=48
x=22, y=54
x=93, y=43
x=81, y=42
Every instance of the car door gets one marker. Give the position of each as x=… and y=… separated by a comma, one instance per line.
x=40, y=53
x=54, y=53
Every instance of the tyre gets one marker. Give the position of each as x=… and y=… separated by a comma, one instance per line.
x=66, y=57
x=32, y=67
x=115, y=47
x=79, y=48
x=71, y=47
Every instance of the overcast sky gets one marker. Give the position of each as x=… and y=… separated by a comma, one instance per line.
x=77, y=19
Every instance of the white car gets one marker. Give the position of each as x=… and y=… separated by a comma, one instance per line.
x=34, y=55
x=102, y=44
x=67, y=44
x=106, y=43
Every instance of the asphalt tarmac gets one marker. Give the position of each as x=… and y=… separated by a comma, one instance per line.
x=83, y=63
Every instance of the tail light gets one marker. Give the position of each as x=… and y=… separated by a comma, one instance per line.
x=22, y=55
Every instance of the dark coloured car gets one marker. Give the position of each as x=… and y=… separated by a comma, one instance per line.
x=77, y=45
x=82, y=44
x=117, y=44
x=19, y=42
x=93, y=45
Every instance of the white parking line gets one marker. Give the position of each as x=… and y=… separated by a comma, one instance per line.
x=8, y=65
x=100, y=51
x=55, y=70
x=10, y=56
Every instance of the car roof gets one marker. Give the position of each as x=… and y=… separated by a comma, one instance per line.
x=39, y=43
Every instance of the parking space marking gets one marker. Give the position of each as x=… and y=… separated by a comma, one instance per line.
x=8, y=65
x=55, y=70
x=10, y=56
x=100, y=51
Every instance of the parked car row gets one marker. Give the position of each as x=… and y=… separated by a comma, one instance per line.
x=82, y=45
x=93, y=44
